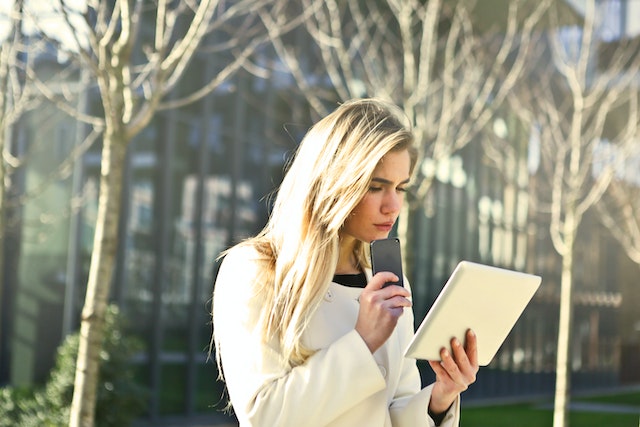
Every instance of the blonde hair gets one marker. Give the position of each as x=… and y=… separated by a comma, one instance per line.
x=330, y=174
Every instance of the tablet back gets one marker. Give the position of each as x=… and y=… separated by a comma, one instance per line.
x=489, y=300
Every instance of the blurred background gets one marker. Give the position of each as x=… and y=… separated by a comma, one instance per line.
x=526, y=114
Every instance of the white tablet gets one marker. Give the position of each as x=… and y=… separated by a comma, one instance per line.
x=488, y=300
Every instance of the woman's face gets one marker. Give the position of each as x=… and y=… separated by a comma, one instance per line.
x=378, y=210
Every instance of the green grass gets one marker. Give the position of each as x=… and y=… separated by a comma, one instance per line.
x=632, y=399
x=539, y=414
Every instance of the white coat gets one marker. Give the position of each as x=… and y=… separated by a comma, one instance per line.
x=342, y=384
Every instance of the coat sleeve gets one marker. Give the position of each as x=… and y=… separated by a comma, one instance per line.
x=262, y=389
x=412, y=411
x=409, y=407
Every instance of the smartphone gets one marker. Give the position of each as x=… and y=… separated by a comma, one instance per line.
x=385, y=256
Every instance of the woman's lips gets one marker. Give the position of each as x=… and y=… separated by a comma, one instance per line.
x=386, y=226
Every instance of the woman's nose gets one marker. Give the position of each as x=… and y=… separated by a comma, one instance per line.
x=392, y=202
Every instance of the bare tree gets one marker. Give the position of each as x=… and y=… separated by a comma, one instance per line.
x=135, y=69
x=619, y=211
x=570, y=103
x=448, y=71
x=21, y=100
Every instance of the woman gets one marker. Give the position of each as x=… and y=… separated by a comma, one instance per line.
x=304, y=336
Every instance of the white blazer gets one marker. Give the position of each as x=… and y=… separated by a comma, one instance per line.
x=342, y=384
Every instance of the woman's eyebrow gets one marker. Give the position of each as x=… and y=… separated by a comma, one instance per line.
x=387, y=182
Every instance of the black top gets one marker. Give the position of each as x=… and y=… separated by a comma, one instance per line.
x=352, y=280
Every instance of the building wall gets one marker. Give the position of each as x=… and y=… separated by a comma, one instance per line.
x=36, y=329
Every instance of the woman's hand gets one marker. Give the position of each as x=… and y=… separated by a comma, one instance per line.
x=454, y=373
x=380, y=309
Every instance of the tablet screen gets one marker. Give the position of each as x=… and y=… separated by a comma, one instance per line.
x=489, y=300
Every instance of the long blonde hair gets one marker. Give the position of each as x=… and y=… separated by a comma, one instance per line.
x=328, y=177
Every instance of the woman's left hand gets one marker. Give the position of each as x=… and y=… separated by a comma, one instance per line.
x=454, y=372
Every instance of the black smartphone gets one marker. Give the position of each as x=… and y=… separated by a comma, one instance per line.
x=385, y=256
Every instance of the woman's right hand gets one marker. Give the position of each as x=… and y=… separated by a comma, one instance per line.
x=380, y=309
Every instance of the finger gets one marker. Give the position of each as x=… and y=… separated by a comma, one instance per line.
x=399, y=301
x=436, y=365
x=452, y=369
x=380, y=279
x=459, y=353
x=465, y=366
x=471, y=347
x=396, y=312
x=448, y=363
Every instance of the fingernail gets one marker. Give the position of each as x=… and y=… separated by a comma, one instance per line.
x=456, y=342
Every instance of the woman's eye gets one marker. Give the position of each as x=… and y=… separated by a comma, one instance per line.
x=375, y=189
x=401, y=189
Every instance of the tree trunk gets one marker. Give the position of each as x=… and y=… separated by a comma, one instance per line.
x=563, y=363
x=3, y=233
x=7, y=61
x=100, y=277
